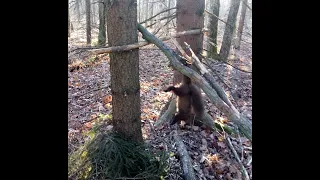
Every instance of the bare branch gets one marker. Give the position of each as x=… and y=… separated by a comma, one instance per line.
x=243, y=170
x=156, y=15
x=158, y=20
x=217, y=17
x=140, y=44
x=225, y=62
x=246, y=5
x=155, y=32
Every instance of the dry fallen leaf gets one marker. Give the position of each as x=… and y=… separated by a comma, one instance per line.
x=108, y=106
x=213, y=158
x=107, y=99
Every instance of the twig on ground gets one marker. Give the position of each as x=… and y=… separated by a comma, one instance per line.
x=243, y=170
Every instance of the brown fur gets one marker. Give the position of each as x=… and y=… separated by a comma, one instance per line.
x=189, y=101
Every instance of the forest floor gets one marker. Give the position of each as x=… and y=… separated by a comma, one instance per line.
x=89, y=97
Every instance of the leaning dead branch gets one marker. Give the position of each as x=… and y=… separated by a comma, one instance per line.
x=243, y=169
x=140, y=44
x=187, y=168
x=233, y=115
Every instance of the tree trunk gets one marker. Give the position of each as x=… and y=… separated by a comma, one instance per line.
x=78, y=9
x=124, y=69
x=146, y=10
x=168, y=14
x=213, y=26
x=151, y=11
x=93, y=19
x=228, y=31
x=241, y=23
x=140, y=9
x=189, y=16
x=102, y=24
x=68, y=20
x=88, y=12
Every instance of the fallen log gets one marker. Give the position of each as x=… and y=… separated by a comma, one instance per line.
x=187, y=168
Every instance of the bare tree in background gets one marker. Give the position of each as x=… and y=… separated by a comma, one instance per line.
x=68, y=20
x=77, y=8
x=102, y=23
x=229, y=28
x=151, y=11
x=88, y=22
x=241, y=23
x=93, y=19
x=124, y=68
x=146, y=10
x=213, y=27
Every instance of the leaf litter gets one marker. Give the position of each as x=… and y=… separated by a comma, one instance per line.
x=89, y=96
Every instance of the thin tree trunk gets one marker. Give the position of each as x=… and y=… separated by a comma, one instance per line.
x=124, y=69
x=213, y=26
x=88, y=12
x=78, y=10
x=151, y=11
x=93, y=14
x=139, y=10
x=102, y=24
x=146, y=10
x=68, y=21
x=241, y=23
x=168, y=14
x=227, y=36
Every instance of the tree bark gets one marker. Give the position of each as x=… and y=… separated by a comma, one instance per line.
x=190, y=15
x=241, y=23
x=233, y=115
x=213, y=26
x=124, y=68
x=77, y=3
x=68, y=20
x=102, y=23
x=228, y=31
x=88, y=13
x=151, y=10
x=146, y=10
